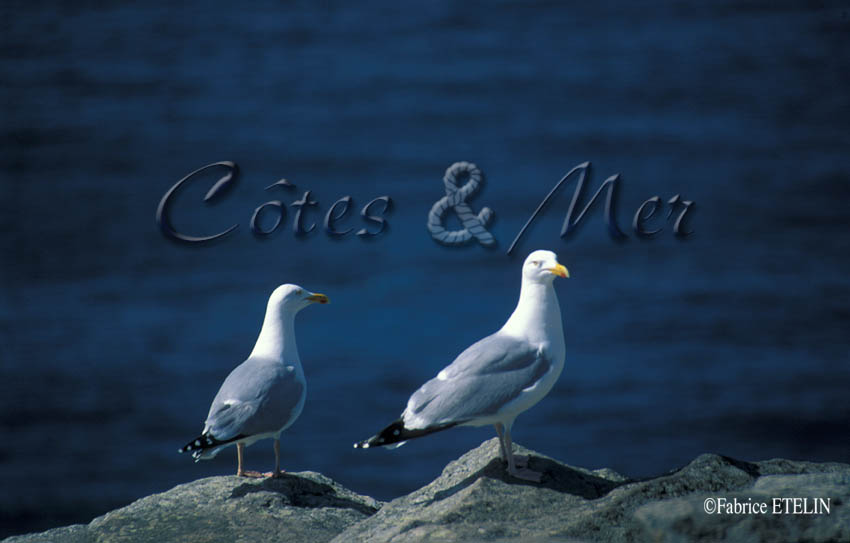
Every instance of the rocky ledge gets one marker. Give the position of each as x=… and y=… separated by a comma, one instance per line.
x=474, y=500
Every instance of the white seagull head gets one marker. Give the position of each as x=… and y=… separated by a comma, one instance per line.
x=542, y=267
x=292, y=298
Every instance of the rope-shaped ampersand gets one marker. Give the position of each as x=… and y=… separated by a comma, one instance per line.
x=455, y=198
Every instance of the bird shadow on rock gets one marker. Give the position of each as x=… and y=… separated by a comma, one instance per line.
x=302, y=492
x=556, y=477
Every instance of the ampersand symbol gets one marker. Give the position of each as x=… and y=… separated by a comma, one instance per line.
x=455, y=198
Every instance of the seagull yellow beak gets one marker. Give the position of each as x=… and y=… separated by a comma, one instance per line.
x=321, y=298
x=560, y=270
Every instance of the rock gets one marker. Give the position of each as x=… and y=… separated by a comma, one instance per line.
x=684, y=519
x=303, y=506
x=475, y=500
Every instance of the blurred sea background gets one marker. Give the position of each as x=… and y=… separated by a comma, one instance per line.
x=115, y=340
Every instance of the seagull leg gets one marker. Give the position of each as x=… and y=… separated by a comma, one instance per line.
x=500, y=429
x=240, y=453
x=240, y=457
x=519, y=472
x=277, y=472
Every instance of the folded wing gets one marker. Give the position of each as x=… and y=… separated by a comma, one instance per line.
x=258, y=397
x=478, y=384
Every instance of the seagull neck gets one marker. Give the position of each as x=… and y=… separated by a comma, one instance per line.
x=537, y=315
x=277, y=337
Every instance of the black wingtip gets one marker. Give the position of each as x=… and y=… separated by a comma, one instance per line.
x=200, y=444
x=387, y=436
x=395, y=432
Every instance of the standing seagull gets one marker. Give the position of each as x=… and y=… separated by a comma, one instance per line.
x=264, y=395
x=497, y=378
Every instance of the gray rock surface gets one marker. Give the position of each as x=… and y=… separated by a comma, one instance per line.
x=303, y=506
x=474, y=500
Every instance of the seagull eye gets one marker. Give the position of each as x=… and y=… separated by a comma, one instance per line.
x=299, y=291
x=536, y=263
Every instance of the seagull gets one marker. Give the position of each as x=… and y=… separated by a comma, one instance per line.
x=497, y=378
x=263, y=395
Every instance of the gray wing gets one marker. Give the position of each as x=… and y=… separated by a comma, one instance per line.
x=259, y=396
x=480, y=381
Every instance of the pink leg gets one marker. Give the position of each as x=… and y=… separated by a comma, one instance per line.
x=519, y=472
x=277, y=472
x=500, y=429
x=240, y=456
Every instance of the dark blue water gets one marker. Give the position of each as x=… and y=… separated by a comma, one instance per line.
x=114, y=340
